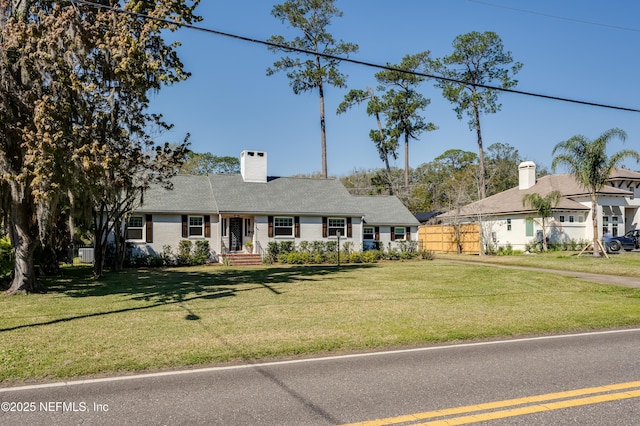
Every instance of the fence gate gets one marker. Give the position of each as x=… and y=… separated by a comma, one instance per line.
x=447, y=238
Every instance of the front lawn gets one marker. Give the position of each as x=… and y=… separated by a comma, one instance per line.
x=621, y=264
x=163, y=318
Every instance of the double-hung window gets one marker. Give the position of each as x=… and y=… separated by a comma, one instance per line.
x=337, y=225
x=196, y=226
x=134, y=228
x=400, y=232
x=283, y=226
x=368, y=233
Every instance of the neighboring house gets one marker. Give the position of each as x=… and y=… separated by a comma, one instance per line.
x=428, y=217
x=231, y=210
x=504, y=220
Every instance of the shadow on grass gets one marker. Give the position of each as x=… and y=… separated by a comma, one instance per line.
x=173, y=286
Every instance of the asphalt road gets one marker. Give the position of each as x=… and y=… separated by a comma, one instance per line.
x=363, y=387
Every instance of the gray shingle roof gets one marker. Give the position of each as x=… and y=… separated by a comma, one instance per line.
x=385, y=210
x=301, y=196
x=230, y=194
x=190, y=194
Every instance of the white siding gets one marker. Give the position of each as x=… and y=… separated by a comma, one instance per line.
x=167, y=231
x=558, y=232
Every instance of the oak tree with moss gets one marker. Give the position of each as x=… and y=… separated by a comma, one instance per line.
x=74, y=103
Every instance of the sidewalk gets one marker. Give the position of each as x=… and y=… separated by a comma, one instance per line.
x=598, y=278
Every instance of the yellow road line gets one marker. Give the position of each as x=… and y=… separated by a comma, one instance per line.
x=513, y=402
x=531, y=409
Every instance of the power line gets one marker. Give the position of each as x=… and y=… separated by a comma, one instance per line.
x=615, y=27
x=343, y=59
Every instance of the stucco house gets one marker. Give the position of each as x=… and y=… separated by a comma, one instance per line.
x=231, y=210
x=505, y=221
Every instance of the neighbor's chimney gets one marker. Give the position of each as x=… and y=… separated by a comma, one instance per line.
x=527, y=174
x=253, y=166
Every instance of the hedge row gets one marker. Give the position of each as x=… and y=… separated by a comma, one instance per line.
x=318, y=252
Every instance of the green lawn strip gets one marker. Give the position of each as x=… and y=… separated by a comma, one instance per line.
x=621, y=264
x=151, y=319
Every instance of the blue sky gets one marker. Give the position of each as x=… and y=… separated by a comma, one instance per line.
x=229, y=104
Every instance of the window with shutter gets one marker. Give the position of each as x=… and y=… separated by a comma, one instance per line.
x=134, y=228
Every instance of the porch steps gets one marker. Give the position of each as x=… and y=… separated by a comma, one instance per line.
x=243, y=259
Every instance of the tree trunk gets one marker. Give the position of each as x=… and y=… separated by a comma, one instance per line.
x=100, y=234
x=406, y=161
x=119, y=235
x=384, y=153
x=323, y=133
x=483, y=191
x=594, y=221
x=22, y=233
x=388, y=169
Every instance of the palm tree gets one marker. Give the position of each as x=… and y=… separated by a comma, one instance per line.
x=589, y=164
x=544, y=208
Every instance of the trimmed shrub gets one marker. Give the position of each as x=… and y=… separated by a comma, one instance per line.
x=183, y=258
x=201, y=252
x=370, y=256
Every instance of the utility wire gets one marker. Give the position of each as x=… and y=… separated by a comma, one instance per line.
x=343, y=59
x=615, y=27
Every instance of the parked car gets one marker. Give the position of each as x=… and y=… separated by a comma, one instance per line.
x=635, y=234
x=626, y=243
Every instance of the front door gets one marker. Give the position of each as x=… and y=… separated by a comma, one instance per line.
x=235, y=234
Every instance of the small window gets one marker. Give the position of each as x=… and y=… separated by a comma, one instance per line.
x=580, y=219
x=562, y=218
x=368, y=233
x=508, y=224
x=134, y=228
x=283, y=226
x=336, y=225
x=196, y=226
x=399, y=232
x=248, y=229
x=572, y=219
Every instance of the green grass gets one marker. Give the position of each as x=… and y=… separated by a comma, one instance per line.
x=163, y=318
x=622, y=264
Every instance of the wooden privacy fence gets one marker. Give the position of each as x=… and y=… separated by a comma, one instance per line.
x=442, y=238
